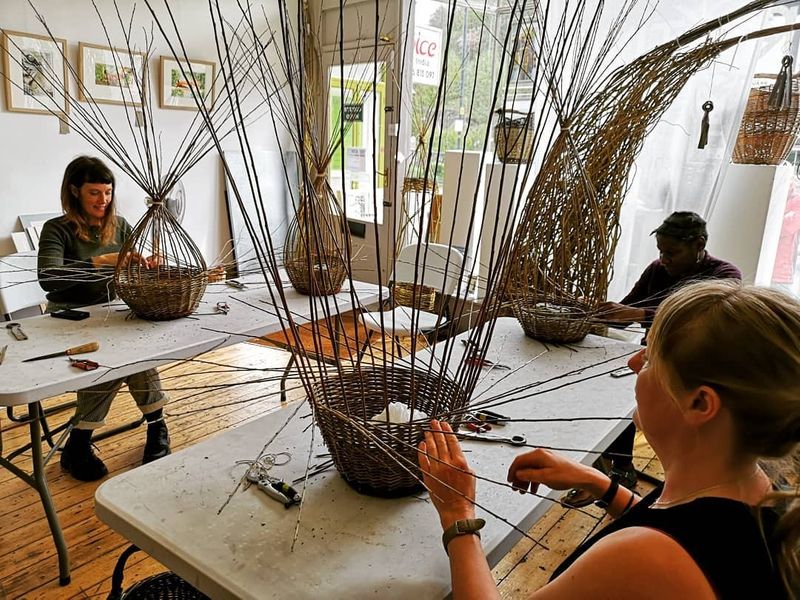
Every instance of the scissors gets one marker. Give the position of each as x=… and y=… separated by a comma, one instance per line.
x=514, y=440
x=223, y=308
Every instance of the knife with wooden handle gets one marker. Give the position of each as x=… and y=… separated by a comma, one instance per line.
x=82, y=349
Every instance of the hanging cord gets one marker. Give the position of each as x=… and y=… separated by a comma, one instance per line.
x=781, y=96
x=708, y=106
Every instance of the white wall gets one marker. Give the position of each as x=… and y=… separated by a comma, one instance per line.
x=745, y=225
x=33, y=154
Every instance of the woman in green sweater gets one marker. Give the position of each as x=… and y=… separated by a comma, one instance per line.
x=77, y=255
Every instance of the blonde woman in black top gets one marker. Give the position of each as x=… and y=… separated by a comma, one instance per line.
x=717, y=390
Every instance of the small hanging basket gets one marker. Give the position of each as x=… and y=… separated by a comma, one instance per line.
x=173, y=286
x=766, y=135
x=376, y=457
x=513, y=137
x=549, y=322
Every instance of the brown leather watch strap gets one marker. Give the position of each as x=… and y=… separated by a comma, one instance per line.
x=462, y=527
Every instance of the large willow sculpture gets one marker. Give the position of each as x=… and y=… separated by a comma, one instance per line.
x=569, y=231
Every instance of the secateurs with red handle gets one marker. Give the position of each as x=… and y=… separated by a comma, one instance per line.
x=83, y=364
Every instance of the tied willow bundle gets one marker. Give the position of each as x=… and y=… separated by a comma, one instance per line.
x=780, y=98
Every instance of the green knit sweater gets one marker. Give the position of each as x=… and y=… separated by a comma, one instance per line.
x=66, y=271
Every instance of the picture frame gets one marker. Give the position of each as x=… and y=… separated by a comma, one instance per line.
x=30, y=86
x=175, y=91
x=111, y=75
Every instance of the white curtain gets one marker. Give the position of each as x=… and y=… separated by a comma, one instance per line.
x=671, y=173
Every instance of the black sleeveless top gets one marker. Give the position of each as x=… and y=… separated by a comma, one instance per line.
x=722, y=536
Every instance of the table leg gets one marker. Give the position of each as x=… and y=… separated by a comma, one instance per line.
x=44, y=493
x=285, y=376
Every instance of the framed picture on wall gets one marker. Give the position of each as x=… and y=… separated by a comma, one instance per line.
x=179, y=85
x=36, y=73
x=110, y=75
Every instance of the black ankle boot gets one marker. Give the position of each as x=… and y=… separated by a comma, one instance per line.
x=78, y=457
x=157, y=444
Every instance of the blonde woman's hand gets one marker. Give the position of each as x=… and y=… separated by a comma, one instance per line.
x=557, y=472
x=447, y=475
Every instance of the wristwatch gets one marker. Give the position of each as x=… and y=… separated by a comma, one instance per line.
x=462, y=527
x=609, y=496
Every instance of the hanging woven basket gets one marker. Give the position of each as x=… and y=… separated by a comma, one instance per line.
x=513, y=137
x=376, y=457
x=317, y=242
x=173, y=285
x=766, y=135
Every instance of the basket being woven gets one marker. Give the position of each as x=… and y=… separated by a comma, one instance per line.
x=380, y=458
x=322, y=277
x=766, y=135
x=421, y=297
x=557, y=323
x=163, y=293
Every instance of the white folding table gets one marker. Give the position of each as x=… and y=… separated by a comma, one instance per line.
x=351, y=545
x=132, y=345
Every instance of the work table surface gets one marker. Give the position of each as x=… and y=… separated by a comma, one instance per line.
x=348, y=544
x=130, y=345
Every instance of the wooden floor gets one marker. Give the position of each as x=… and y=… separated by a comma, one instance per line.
x=28, y=563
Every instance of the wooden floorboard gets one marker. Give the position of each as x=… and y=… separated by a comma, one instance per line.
x=244, y=384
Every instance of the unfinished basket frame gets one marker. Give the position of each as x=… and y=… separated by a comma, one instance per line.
x=174, y=287
x=317, y=242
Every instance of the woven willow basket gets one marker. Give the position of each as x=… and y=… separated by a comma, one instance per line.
x=513, y=139
x=554, y=323
x=421, y=297
x=316, y=243
x=766, y=135
x=379, y=458
x=419, y=185
x=322, y=277
x=174, y=288
x=164, y=293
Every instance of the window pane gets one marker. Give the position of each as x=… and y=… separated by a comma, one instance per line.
x=356, y=101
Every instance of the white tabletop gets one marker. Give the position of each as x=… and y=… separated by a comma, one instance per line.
x=130, y=345
x=351, y=545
